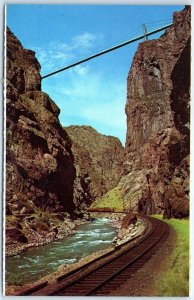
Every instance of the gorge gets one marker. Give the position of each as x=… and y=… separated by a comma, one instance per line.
x=53, y=174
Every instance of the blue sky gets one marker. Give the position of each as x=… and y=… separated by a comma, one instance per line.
x=93, y=93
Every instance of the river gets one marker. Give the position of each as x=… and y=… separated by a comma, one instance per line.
x=37, y=262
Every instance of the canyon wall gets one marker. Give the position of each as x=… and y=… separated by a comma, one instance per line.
x=40, y=171
x=98, y=159
x=156, y=164
x=46, y=184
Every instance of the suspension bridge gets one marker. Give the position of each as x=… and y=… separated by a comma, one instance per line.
x=145, y=35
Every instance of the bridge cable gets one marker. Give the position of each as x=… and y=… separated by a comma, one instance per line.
x=109, y=50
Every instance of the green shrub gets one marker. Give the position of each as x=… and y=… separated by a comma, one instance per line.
x=15, y=280
x=112, y=199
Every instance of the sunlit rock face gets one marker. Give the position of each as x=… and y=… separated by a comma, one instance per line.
x=156, y=167
x=98, y=159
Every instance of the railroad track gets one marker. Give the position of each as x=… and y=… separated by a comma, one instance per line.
x=107, y=276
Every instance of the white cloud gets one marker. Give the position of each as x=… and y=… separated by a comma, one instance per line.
x=81, y=70
x=85, y=40
x=52, y=57
x=58, y=54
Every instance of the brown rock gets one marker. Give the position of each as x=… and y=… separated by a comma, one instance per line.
x=42, y=176
x=39, y=158
x=14, y=235
x=99, y=161
x=40, y=172
x=128, y=220
x=158, y=119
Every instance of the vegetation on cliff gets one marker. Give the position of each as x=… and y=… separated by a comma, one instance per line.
x=113, y=199
x=53, y=173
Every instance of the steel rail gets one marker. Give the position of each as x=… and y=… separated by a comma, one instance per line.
x=93, y=282
x=133, y=241
x=127, y=265
x=99, y=278
x=112, y=259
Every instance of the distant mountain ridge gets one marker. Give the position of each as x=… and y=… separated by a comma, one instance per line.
x=98, y=157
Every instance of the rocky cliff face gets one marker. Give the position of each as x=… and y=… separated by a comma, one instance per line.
x=39, y=158
x=156, y=164
x=45, y=183
x=98, y=160
x=40, y=173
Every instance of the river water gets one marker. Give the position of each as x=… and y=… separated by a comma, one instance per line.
x=40, y=261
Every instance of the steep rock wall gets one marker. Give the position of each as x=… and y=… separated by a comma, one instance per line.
x=156, y=167
x=40, y=172
x=39, y=158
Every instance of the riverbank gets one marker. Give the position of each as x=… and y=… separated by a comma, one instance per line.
x=58, y=231
x=133, y=231
x=61, y=228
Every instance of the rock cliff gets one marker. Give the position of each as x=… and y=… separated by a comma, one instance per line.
x=98, y=159
x=45, y=183
x=156, y=167
x=39, y=158
x=40, y=173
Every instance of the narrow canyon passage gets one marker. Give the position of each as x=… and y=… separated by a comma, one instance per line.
x=58, y=173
